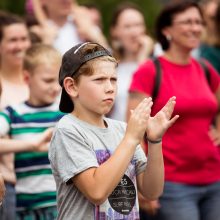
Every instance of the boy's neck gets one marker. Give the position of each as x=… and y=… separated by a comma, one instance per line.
x=35, y=104
x=95, y=120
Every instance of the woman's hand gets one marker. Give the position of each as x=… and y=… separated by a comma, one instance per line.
x=157, y=125
x=214, y=134
x=146, y=48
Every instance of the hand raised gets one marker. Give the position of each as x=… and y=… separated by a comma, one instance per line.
x=157, y=125
x=138, y=120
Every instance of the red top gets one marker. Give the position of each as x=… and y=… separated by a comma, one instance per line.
x=189, y=154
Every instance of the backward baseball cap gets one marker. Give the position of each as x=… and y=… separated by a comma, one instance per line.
x=72, y=60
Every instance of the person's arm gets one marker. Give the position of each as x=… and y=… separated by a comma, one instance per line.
x=14, y=146
x=45, y=31
x=39, y=12
x=151, y=181
x=98, y=183
x=214, y=131
x=146, y=48
x=147, y=205
x=87, y=30
x=2, y=189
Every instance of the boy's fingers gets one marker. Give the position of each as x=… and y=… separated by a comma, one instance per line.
x=143, y=105
x=173, y=120
x=169, y=107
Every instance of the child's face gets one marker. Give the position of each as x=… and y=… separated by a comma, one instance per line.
x=43, y=84
x=96, y=93
x=14, y=43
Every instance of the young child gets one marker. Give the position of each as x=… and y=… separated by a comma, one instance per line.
x=97, y=162
x=35, y=187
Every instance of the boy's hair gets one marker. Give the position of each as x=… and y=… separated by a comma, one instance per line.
x=40, y=54
x=79, y=61
x=165, y=18
x=7, y=19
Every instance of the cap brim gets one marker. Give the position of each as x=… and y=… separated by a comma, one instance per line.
x=66, y=104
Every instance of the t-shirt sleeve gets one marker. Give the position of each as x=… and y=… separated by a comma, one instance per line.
x=70, y=154
x=4, y=124
x=140, y=160
x=143, y=79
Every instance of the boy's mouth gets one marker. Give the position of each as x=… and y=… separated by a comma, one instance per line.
x=108, y=100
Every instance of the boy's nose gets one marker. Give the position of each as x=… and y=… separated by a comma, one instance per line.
x=109, y=87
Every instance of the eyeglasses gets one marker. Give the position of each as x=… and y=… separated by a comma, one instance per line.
x=189, y=22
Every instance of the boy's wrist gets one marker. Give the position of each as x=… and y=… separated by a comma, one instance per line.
x=147, y=140
x=130, y=141
x=33, y=145
x=154, y=141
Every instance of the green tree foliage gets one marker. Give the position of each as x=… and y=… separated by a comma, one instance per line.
x=15, y=6
x=150, y=9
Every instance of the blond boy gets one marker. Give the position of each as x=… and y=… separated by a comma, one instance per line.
x=35, y=187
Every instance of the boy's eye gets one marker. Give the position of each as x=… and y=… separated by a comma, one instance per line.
x=100, y=79
x=48, y=80
x=114, y=79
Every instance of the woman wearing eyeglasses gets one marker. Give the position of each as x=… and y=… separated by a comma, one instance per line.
x=191, y=147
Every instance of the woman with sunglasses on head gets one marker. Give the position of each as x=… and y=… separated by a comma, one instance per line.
x=190, y=147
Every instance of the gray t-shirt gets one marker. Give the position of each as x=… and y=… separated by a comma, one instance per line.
x=77, y=146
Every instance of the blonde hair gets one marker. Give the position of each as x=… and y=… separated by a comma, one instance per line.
x=40, y=54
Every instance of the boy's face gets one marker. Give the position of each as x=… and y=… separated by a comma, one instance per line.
x=14, y=43
x=43, y=84
x=96, y=93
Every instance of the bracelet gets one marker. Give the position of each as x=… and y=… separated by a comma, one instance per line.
x=154, y=142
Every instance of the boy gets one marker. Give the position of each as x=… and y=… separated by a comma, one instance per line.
x=35, y=187
x=96, y=161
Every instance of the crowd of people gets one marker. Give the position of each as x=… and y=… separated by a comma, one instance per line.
x=125, y=127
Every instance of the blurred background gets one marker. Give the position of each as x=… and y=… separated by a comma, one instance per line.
x=149, y=7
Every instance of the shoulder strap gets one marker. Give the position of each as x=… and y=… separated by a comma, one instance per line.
x=206, y=70
x=157, y=77
x=159, y=73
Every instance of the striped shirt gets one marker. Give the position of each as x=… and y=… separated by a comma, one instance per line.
x=35, y=187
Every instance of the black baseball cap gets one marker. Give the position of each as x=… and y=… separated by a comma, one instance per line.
x=72, y=60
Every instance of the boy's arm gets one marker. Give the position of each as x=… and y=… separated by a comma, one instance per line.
x=151, y=181
x=98, y=183
x=15, y=146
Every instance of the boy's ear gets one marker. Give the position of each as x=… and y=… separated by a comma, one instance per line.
x=70, y=86
x=26, y=75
